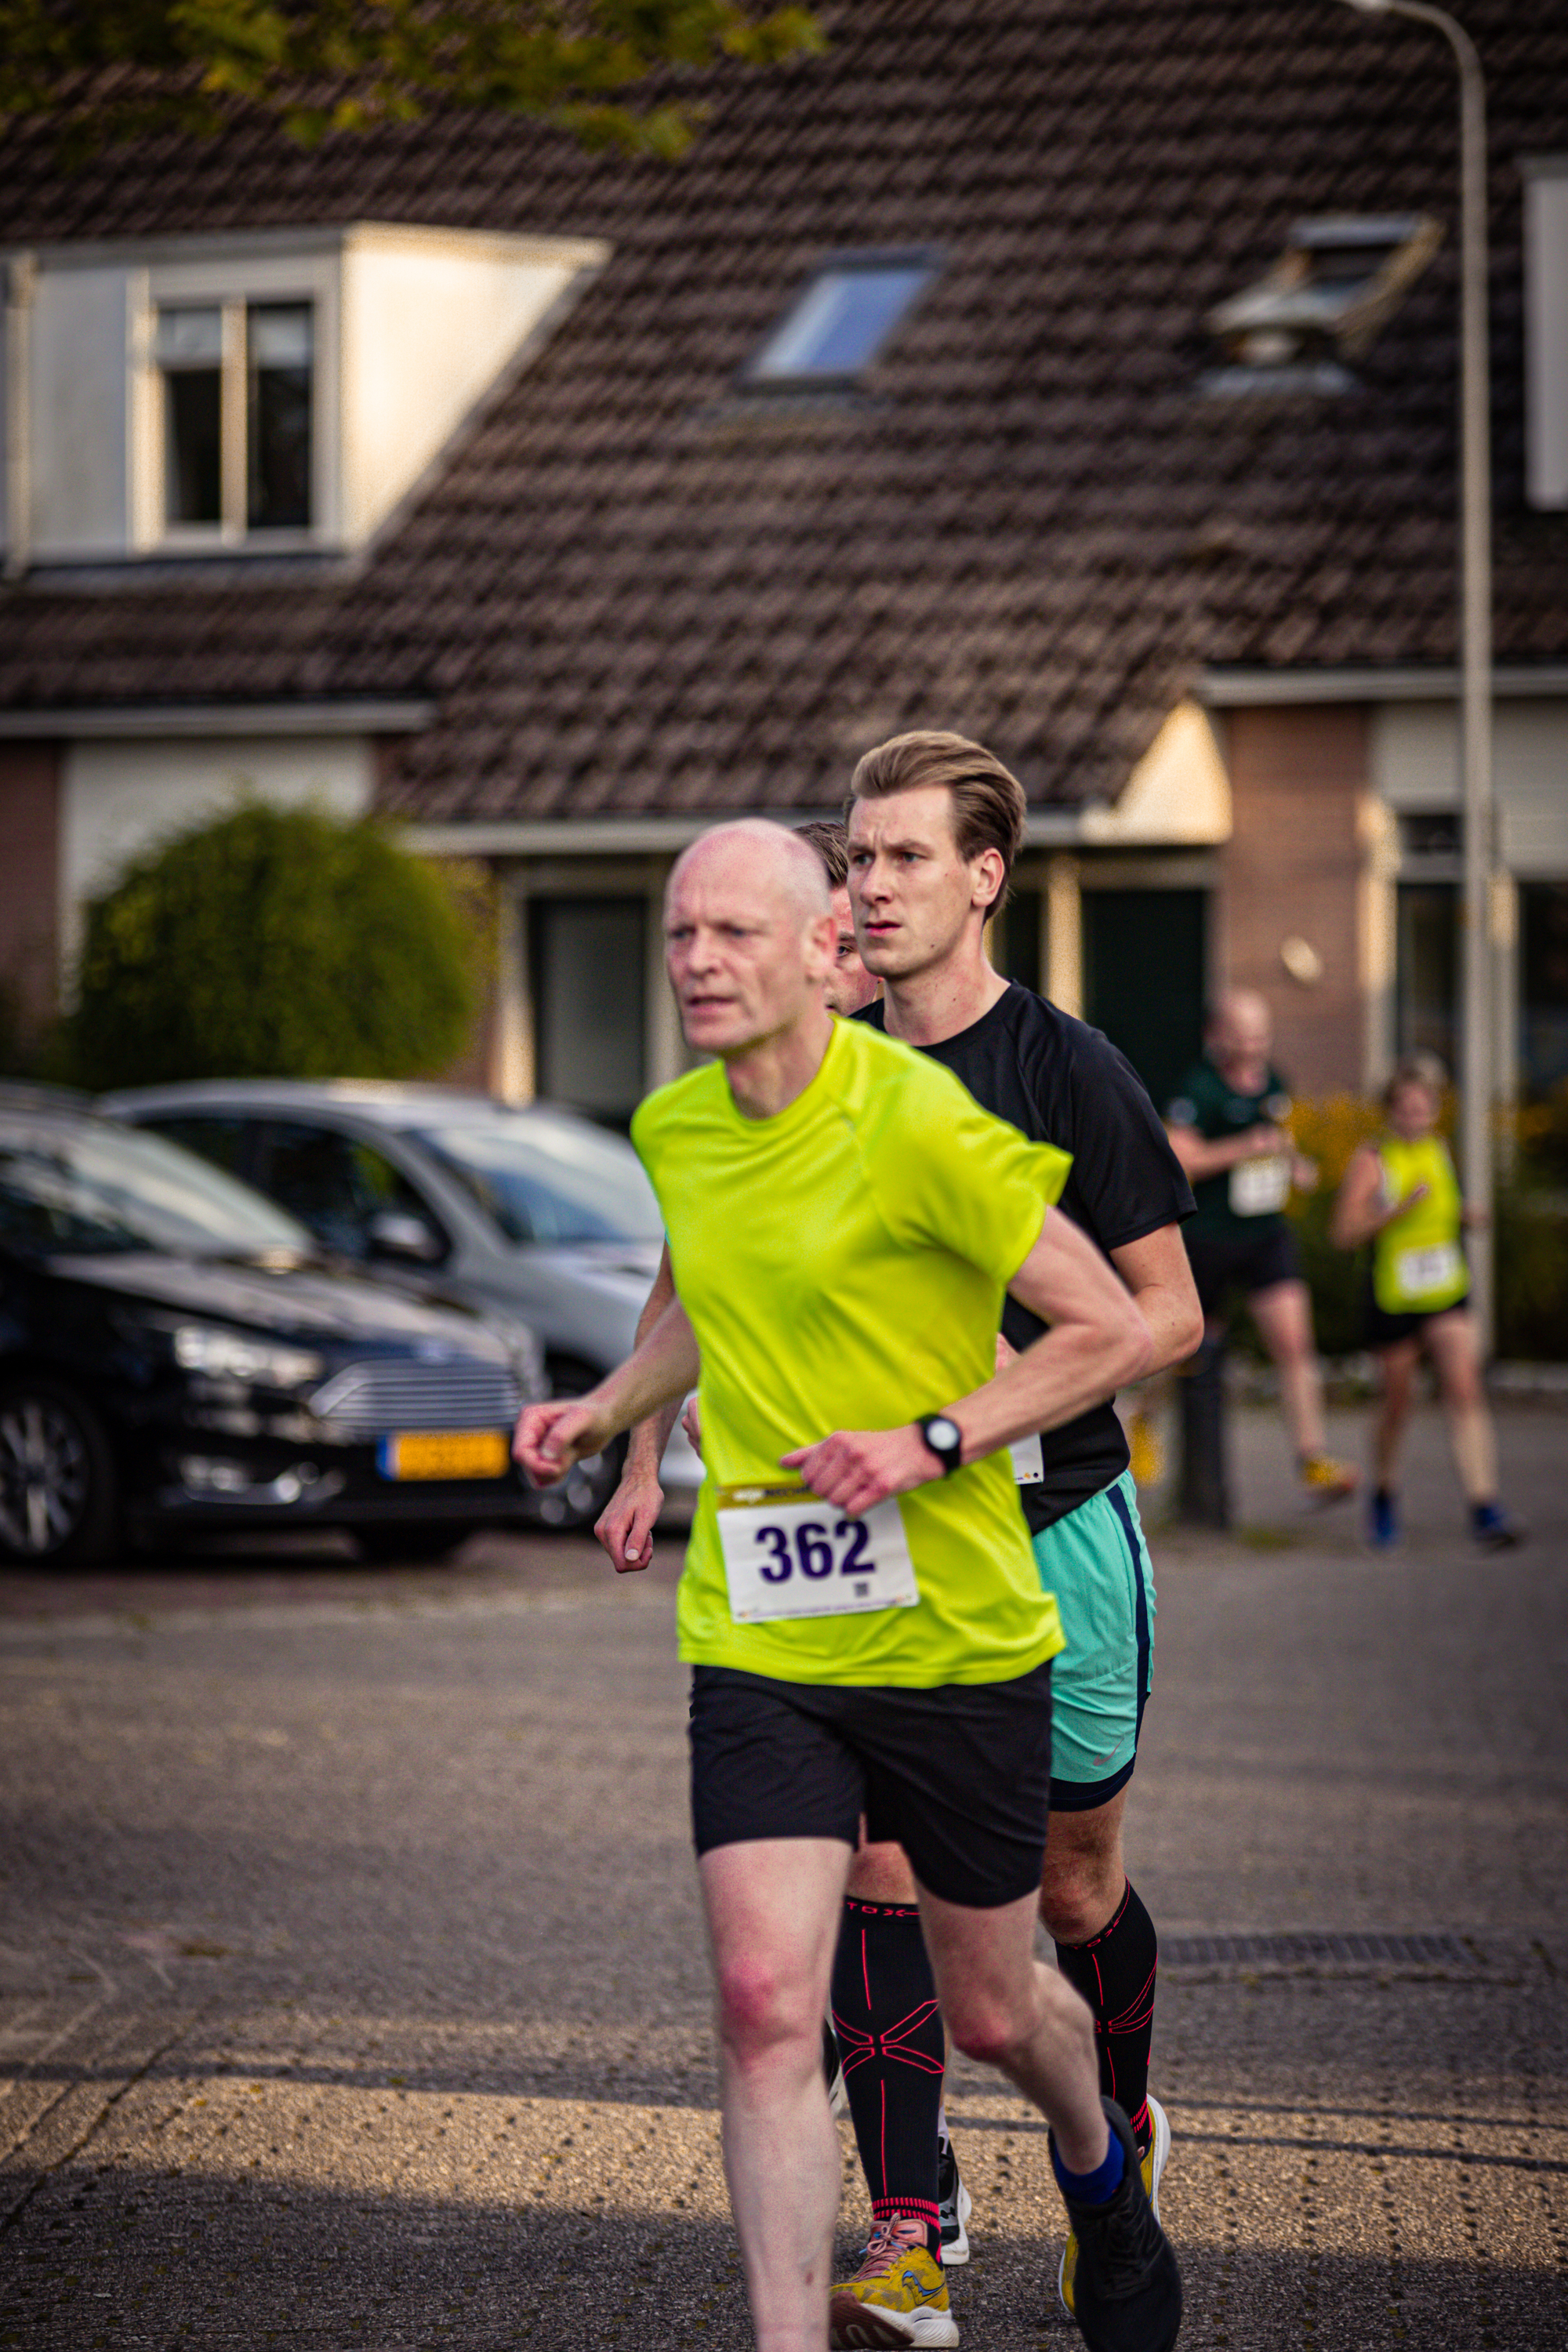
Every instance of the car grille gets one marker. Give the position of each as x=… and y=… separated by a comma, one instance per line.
x=380, y=1397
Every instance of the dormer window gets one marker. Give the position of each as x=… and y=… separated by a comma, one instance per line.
x=270, y=392
x=1324, y=302
x=234, y=383
x=844, y=318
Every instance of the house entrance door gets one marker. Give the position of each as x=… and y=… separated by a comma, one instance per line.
x=1144, y=979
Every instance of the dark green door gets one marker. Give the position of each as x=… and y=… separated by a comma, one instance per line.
x=1143, y=965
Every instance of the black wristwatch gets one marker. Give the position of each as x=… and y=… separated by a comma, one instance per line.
x=943, y=1438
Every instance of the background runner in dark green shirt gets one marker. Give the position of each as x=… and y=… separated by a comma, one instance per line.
x=1227, y=1128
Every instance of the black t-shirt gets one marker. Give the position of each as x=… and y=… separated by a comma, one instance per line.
x=1062, y=1082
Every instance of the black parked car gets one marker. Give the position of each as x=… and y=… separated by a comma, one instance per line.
x=175, y=1353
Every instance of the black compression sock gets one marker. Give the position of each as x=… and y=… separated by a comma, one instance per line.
x=890, y=2038
x=1115, y=1971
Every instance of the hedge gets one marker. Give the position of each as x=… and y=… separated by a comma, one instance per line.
x=273, y=943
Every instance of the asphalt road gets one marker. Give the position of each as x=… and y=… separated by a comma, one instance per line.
x=353, y=1993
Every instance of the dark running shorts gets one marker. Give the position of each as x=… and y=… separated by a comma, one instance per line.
x=1221, y=1264
x=961, y=1776
x=1382, y=1330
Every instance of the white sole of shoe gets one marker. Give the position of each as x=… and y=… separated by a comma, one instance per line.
x=867, y=2329
x=955, y=2250
x=1162, y=2123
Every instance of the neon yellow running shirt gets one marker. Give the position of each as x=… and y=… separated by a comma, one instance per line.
x=843, y=1265
x=1417, y=1265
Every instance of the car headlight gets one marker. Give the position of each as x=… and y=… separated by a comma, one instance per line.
x=522, y=1344
x=226, y=1354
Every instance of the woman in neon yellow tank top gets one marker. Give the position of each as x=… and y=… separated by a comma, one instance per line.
x=1402, y=1195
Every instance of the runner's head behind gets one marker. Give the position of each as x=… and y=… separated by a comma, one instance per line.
x=850, y=986
x=748, y=938
x=934, y=825
x=1238, y=1035
x=1414, y=1095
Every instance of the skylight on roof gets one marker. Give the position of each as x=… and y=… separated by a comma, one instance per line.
x=1325, y=301
x=843, y=318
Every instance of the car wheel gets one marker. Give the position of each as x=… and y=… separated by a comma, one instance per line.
x=411, y=1542
x=59, y=1493
x=574, y=1505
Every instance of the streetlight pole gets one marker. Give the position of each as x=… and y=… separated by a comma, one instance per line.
x=1477, y=1105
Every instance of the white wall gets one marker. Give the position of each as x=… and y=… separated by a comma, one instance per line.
x=1415, y=765
x=430, y=318
x=79, y=365
x=120, y=797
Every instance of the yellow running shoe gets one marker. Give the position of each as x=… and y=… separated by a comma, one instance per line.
x=1324, y=1480
x=1152, y=2166
x=899, y=2295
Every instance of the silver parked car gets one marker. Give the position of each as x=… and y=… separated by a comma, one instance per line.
x=534, y=1210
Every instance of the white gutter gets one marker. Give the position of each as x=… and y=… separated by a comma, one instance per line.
x=384, y=716
x=651, y=836
x=1240, y=689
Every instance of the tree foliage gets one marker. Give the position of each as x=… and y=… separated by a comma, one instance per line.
x=114, y=67
x=273, y=943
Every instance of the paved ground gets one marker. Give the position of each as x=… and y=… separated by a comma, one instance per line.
x=354, y=1994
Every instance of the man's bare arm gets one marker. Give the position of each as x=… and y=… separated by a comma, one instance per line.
x=562, y=1430
x=1098, y=1341
x=1156, y=1270
x=625, y=1527
x=1200, y=1156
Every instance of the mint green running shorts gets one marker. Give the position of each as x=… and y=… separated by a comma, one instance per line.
x=1097, y=1563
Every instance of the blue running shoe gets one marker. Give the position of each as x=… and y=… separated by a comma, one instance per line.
x=1492, y=1527
x=1383, y=1526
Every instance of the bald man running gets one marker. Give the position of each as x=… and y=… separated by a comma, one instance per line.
x=1227, y=1127
x=843, y=1222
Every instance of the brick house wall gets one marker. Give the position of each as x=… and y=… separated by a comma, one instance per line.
x=1291, y=870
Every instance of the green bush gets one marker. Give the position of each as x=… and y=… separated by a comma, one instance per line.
x=273, y=943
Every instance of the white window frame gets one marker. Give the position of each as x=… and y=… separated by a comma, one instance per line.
x=231, y=285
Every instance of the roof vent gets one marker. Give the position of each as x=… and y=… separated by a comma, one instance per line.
x=1324, y=301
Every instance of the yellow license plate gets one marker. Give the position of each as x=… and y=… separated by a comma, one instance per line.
x=446, y=1453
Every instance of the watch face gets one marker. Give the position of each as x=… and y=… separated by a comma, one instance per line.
x=943, y=1434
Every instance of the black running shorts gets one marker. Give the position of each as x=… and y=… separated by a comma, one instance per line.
x=1381, y=1328
x=1222, y=1263
x=961, y=1776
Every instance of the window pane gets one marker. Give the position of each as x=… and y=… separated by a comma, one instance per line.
x=335, y=1185
x=103, y=1188
x=190, y=338
x=1544, y=1044
x=588, y=994
x=278, y=349
x=192, y=445
x=545, y=1179
x=843, y=321
x=223, y=1142
x=1428, y=983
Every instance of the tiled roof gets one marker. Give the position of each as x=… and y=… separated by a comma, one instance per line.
x=632, y=585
